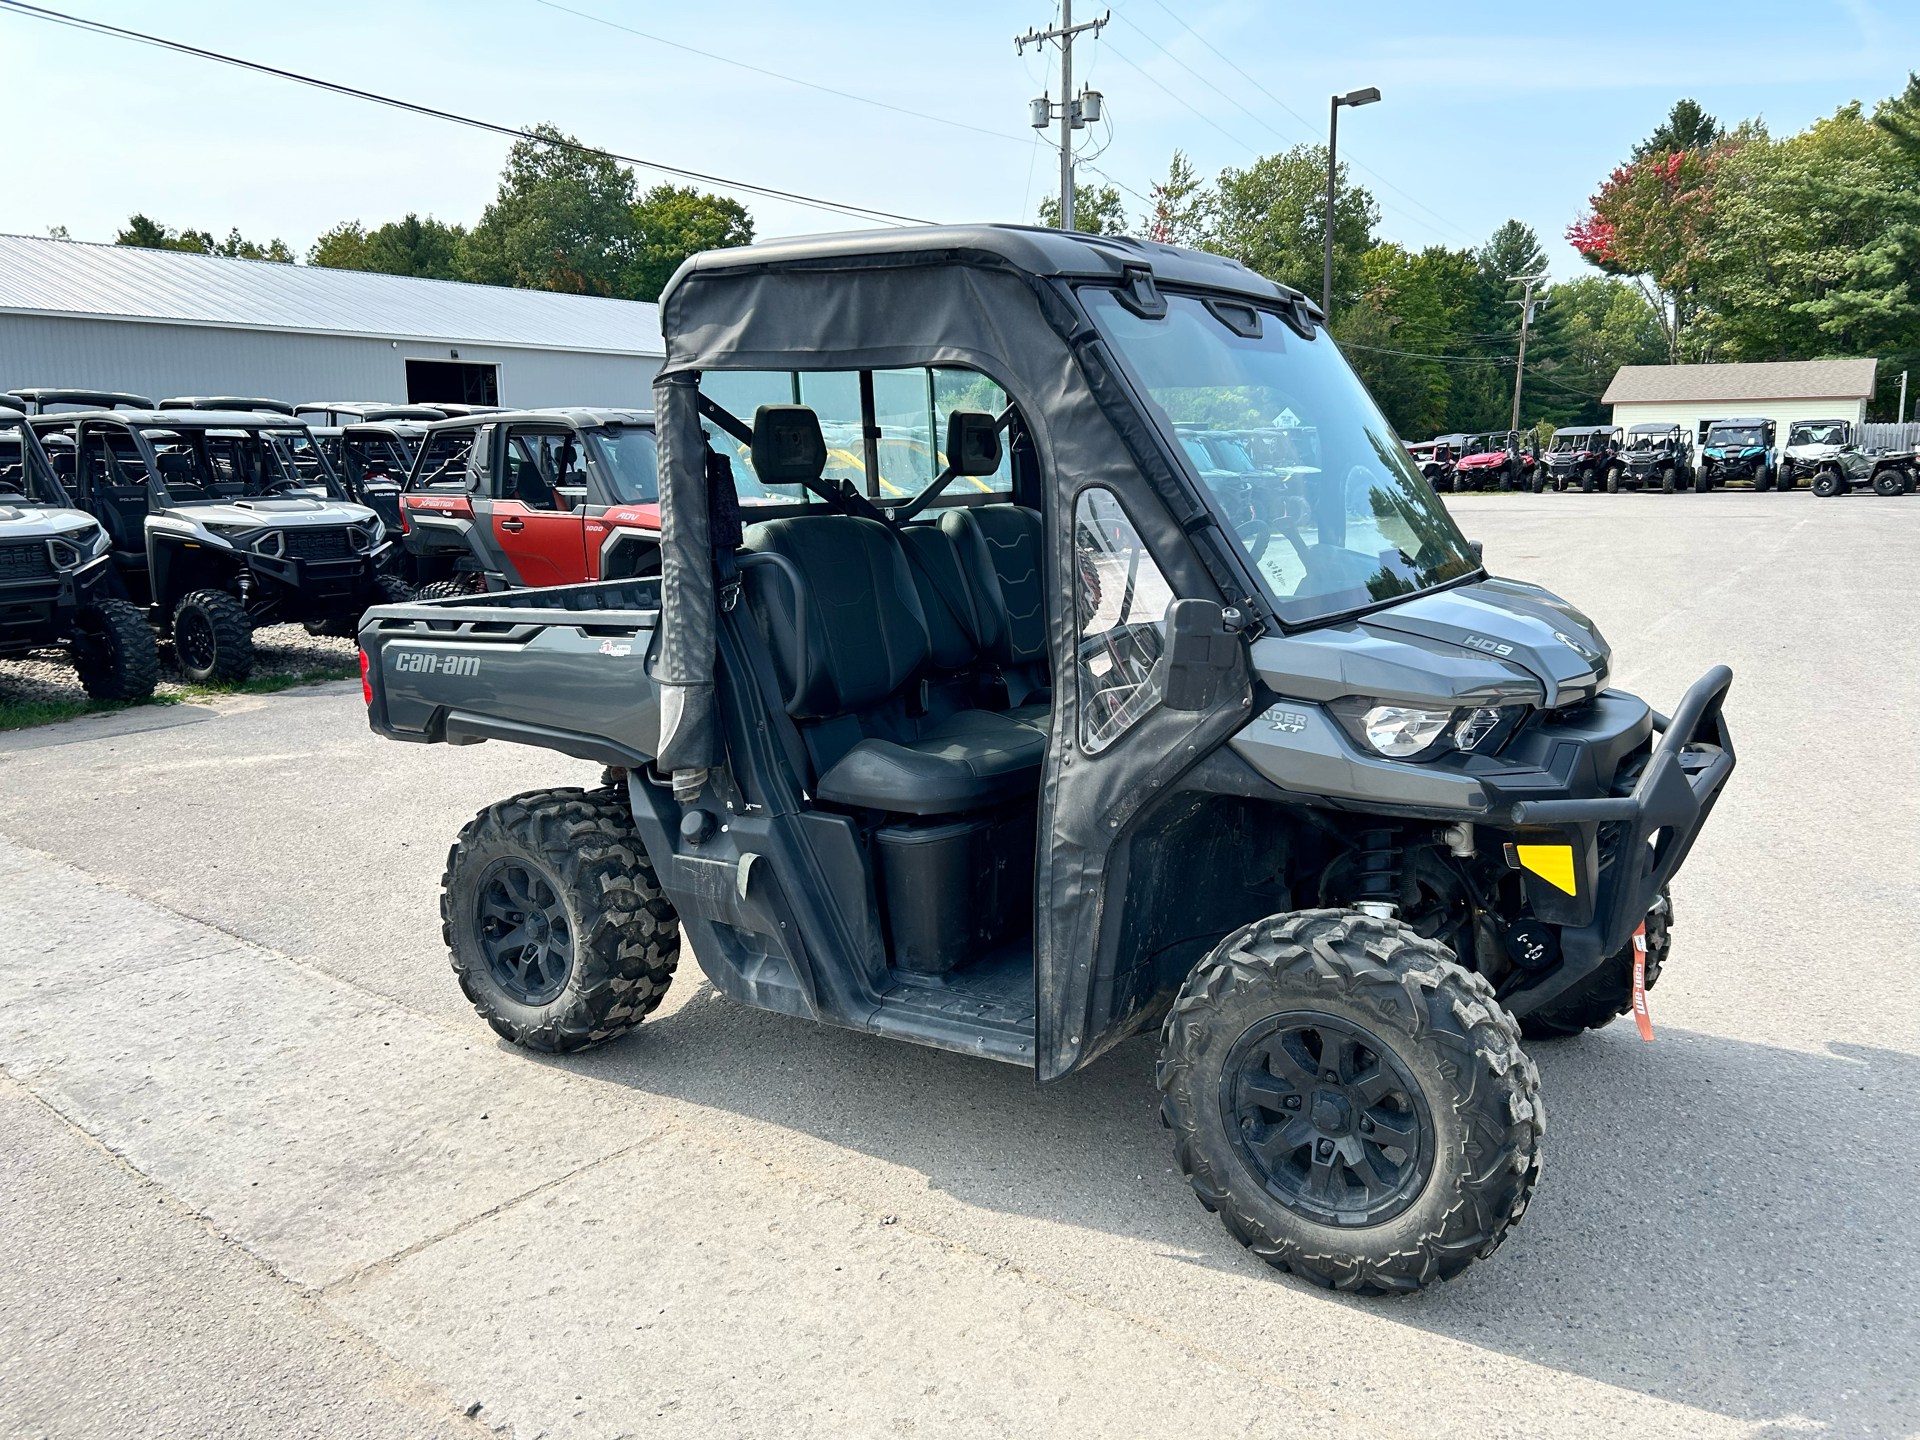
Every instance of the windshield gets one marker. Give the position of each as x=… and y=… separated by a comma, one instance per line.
x=211, y=467
x=1831, y=434
x=1565, y=444
x=628, y=457
x=379, y=458
x=23, y=469
x=1742, y=438
x=306, y=456
x=1330, y=511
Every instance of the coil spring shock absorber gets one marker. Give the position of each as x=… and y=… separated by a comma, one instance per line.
x=1379, y=865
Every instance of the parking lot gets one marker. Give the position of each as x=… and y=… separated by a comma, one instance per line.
x=265, y=1172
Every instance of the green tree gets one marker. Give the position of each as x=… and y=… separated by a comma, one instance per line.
x=561, y=220
x=146, y=234
x=428, y=248
x=1095, y=212
x=1648, y=223
x=1271, y=217
x=1182, y=212
x=1589, y=328
x=671, y=222
x=1687, y=127
x=1410, y=335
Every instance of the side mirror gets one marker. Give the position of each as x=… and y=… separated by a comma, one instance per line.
x=973, y=442
x=1474, y=548
x=1201, y=654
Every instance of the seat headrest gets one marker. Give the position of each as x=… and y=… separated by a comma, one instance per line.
x=788, y=448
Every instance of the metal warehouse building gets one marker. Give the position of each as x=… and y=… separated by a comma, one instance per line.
x=165, y=322
x=1783, y=391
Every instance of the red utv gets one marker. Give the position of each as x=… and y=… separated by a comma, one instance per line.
x=1493, y=462
x=514, y=499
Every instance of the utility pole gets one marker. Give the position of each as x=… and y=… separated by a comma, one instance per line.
x=1074, y=113
x=1526, y=319
x=1352, y=97
x=1901, y=413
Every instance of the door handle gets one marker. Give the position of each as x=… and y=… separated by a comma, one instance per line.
x=513, y=526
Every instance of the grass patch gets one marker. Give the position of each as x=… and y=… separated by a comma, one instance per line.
x=268, y=684
x=25, y=714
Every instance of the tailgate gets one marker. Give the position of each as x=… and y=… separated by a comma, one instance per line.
x=561, y=675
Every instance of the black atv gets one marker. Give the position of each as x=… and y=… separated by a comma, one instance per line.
x=1584, y=457
x=1659, y=457
x=1028, y=733
x=215, y=528
x=56, y=580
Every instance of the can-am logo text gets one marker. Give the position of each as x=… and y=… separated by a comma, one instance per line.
x=421, y=663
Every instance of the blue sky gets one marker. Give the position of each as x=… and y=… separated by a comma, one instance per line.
x=1489, y=110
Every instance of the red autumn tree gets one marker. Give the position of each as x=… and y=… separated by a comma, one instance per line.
x=1648, y=223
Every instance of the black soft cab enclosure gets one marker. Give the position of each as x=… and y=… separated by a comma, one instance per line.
x=1051, y=643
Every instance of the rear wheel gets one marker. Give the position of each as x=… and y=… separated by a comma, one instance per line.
x=1355, y=1107
x=114, y=653
x=442, y=590
x=1608, y=992
x=555, y=920
x=1889, y=482
x=212, y=637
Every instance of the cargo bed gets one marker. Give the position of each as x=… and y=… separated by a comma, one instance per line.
x=565, y=669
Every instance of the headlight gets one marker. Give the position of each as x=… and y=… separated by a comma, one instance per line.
x=1478, y=725
x=227, y=532
x=1398, y=731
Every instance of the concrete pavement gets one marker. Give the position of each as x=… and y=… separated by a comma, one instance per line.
x=225, y=1015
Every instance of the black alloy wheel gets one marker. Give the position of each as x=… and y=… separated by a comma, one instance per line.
x=1327, y=1118
x=524, y=931
x=193, y=641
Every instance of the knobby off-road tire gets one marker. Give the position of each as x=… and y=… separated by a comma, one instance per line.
x=1827, y=484
x=1613, y=482
x=114, y=652
x=1608, y=992
x=440, y=590
x=386, y=590
x=212, y=637
x=1416, y=1031
x=1890, y=483
x=568, y=866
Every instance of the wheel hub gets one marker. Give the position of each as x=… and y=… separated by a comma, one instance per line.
x=1328, y=1118
x=524, y=931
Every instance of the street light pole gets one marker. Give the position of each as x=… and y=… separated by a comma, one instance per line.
x=1356, y=98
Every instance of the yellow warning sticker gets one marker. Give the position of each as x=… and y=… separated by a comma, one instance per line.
x=1552, y=863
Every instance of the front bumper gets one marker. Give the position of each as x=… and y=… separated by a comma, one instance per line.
x=1626, y=847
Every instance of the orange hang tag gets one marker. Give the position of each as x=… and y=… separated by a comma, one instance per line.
x=1640, y=1016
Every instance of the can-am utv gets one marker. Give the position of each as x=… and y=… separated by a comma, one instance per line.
x=56, y=580
x=512, y=499
x=1494, y=462
x=216, y=529
x=1059, y=740
x=1739, y=450
x=1587, y=456
x=1808, y=443
x=1659, y=457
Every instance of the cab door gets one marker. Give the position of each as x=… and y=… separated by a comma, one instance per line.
x=539, y=514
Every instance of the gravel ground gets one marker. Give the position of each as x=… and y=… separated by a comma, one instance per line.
x=47, y=676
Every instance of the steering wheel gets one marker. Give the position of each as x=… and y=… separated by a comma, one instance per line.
x=283, y=486
x=1254, y=530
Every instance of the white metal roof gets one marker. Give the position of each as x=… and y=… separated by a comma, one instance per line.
x=73, y=278
x=1721, y=384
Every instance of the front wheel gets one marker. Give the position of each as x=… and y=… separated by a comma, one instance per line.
x=1355, y=1106
x=114, y=653
x=1827, y=484
x=212, y=637
x=555, y=920
x=1613, y=482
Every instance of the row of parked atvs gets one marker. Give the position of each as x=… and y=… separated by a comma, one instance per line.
x=1663, y=457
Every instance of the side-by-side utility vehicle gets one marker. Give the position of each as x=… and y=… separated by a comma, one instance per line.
x=1808, y=443
x=1041, y=736
x=1740, y=450
x=1495, y=462
x=56, y=580
x=216, y=529
x=532, y=498
x=1583, y=456
x=1659, y=457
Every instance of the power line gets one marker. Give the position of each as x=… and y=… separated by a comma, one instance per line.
x=36, y=12
x=776, y=75
x=1311, y=126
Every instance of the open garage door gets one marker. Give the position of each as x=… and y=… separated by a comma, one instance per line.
x=454, y=381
